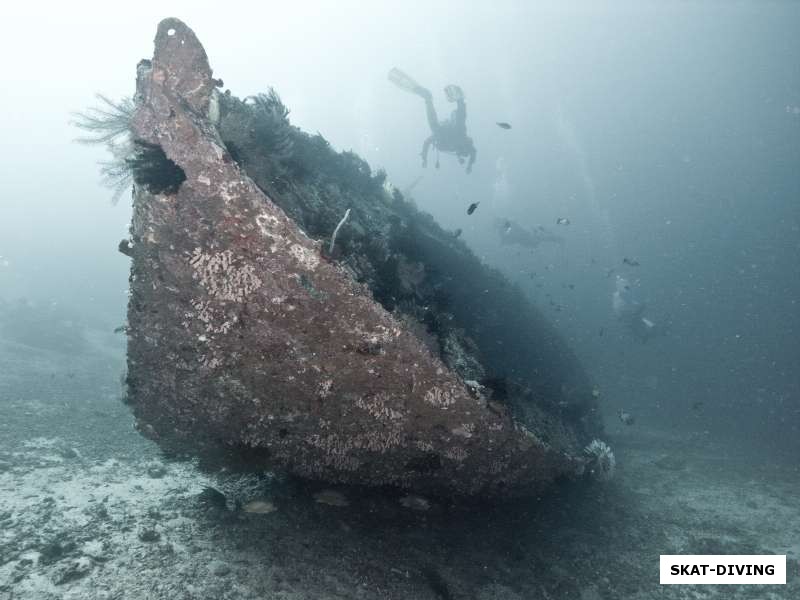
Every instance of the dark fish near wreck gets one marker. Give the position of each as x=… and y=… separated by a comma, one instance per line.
x=632, y=262
x=472, y=207
x=562, y=221
x=503, y=125
x=626, y=417
x=512, y=233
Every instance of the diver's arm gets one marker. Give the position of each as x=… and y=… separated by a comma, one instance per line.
x=425, y=147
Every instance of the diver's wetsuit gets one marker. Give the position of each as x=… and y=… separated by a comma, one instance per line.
x=630, y=311
x=448, y=136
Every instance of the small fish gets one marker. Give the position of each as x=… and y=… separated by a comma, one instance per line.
x=626, y=417
x=472, y=207
x=697, y=405
x=417, y=503
x=595, y=392
x=601, y=332
x=503, y=125
x=457, y=233
x=562, y=221
x=631, y=262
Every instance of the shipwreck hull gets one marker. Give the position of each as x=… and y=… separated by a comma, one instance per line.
x=247, y=344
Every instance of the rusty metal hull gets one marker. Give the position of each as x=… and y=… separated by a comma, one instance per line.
x=246, y=342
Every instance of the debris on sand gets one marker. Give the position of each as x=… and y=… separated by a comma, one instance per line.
x=331, y=498
x=259, y=507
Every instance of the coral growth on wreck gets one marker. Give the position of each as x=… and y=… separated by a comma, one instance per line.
x=133, y=161
x=411, y=265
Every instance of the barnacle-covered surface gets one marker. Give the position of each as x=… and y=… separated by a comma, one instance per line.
x=249, y=344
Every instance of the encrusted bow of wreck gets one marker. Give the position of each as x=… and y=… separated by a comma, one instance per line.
x=244, y=341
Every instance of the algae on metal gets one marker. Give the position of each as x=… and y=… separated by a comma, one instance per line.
x=399, y=360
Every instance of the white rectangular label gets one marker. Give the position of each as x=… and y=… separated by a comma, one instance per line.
x=725, y=568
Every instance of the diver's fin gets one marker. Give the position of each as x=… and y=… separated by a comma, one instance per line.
x=454, y=93
x=405, y=82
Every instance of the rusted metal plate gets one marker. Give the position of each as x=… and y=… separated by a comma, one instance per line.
x=245, y=341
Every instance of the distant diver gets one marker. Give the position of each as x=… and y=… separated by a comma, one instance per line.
x=448, y=136
x=512, y=233
x=630, y=310
x=625, y=417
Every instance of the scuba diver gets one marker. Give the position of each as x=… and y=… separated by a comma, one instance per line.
x=515, y=234
x=446, y=136
x=630, y=310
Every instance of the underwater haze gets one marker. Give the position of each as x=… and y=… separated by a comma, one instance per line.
x=637, y=176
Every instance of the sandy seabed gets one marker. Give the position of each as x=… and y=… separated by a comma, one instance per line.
x=91, y=510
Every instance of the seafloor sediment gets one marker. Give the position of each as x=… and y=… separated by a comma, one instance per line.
x=91, y=510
